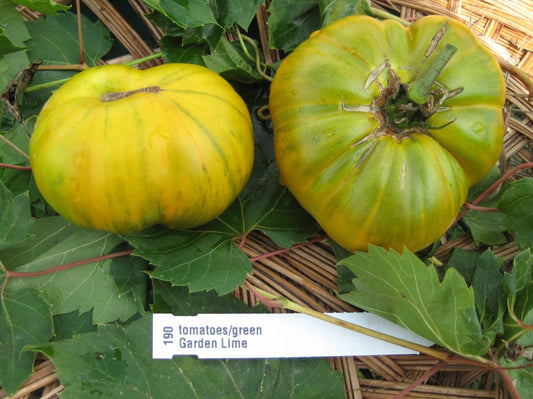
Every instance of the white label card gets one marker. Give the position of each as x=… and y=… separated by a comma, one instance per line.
x=272, y=335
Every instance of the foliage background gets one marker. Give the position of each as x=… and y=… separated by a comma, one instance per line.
x=103, y=307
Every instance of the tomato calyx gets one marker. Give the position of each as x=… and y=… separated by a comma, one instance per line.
x=403, y=108
x=113, y=96
x=402, y=115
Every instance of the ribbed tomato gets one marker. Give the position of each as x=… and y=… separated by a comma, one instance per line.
x=366, y=152
x=120, y=149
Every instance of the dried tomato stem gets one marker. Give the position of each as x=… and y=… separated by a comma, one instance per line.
x=420, y=88
x=123, y=94
x=282, y=302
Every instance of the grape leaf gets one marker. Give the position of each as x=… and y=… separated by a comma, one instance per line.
x=65, y=26
x=487, y=282
x=292, y=22
x=52, y=242
x=402, y=289
x=6, y=45
x=519, y=368
x=45, y=6
x=44, y=46
x=464, y=262
x=332, y=10
x=521, y=274
x=229, y=12
x=24, y=319
x=116, y=361
x=184, y=13
x=13, y=32
x=517, y=205
x=487, y=227
x=207, y=258
x=15, y=217
x=228, y=61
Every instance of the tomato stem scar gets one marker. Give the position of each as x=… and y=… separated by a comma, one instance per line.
x=123, y=94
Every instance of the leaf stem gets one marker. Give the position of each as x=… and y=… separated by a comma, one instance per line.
x=494, y=186
x=16, y=167
x=508, y=383
x=47, y=85
x=138, y=61
x=282, y=302
x=82, y=67
x=257, y=57
x=432, y=371
x=283, y=250
x=54, y=269
x=12, y=145
x=471, y=207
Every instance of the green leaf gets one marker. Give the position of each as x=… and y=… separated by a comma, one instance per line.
x=464, y=262
x=13, y=32
x=229, y=12
x=228, y=60
x=6, y=45
x=203, y=261
x=54, y=242
x=402, y=289
x=184, y=13
x=15, y=217
x=44, y=6
x=67, y=325
x=487, y=227
x=207, y=258
x=292, y=22
x=13, y=35
x=522, y=339
x=116, y=362
x=332, y=10
x=25, y=319
x=487, y=282
x=43, y=46
x=521, y=274
x=517, y=205
x=96, y=40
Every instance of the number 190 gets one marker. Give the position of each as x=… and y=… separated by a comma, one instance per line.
x=168, y=335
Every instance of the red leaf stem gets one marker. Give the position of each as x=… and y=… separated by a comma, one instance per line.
x=17, y=167
x=283, y=250
x=496, y=184
x=432, y=371
x=67, y=265
x=471, y=207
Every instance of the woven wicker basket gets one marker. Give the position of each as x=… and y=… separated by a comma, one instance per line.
x=306, y=274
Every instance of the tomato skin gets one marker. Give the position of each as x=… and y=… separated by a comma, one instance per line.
x=363, y=182
x=178, y=155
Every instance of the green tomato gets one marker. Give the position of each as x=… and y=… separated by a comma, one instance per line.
x=370, y=162
x=120, y=149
